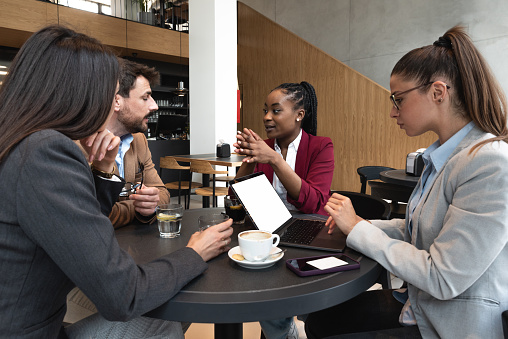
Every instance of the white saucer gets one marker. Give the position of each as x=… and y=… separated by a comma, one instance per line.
x=255, y=264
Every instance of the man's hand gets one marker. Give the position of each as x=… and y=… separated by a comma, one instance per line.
x=212, y=241
x=145, y=200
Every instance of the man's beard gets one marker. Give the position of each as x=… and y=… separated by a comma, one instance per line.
x=133, y=126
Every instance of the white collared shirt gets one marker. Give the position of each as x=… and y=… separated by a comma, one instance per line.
x=291, y=160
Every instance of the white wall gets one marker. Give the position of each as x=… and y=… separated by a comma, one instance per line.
x=212, y=74
x=372, y=35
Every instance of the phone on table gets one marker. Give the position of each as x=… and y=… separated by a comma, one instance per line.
x=329, y=263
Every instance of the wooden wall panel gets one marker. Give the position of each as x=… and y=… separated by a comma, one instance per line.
x=19, y=19
x=352, y=110
x=108, y=30
x=152, y=39
x=27, y=16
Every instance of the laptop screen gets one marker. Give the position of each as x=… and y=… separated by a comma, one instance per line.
x=261, y=201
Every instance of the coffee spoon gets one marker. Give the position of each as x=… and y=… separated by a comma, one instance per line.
x=269, y=255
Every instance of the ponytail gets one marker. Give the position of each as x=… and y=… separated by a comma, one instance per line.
x=475, y=93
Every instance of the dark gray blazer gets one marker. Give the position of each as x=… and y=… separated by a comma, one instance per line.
x=53, y=236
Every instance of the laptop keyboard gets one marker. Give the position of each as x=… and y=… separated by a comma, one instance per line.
x=302, y=231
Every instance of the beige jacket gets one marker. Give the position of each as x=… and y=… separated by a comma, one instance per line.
x=123, y=212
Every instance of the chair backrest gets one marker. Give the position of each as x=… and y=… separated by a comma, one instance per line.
x=367, y=206
x=171, y=163
x=504, y=317
x=370, y=173
x=204, y=167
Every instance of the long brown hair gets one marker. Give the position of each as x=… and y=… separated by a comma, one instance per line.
x=476, y=92
x=60, y=80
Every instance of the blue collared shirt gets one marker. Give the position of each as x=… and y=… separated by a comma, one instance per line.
x=434, y=158
x=125, y=144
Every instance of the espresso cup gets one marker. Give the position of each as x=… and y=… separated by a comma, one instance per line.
x=256, y=245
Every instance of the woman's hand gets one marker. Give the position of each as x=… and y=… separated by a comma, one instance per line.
x=342, y=214
x=255, y=148
x=102, y=148
x=212, y=241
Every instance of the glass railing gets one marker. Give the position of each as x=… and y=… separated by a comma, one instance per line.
x=169, y=14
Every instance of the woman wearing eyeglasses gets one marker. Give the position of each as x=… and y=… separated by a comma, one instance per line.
x=451, y=248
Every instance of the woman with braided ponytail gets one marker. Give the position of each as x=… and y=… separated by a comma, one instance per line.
x=451, y=248
x=297, y=162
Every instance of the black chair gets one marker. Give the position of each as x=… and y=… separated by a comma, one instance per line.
x=367, y=206
x=367, y=173
x=504, y=318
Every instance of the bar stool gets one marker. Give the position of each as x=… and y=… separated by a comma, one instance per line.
x=204, y=167
x=182, y=186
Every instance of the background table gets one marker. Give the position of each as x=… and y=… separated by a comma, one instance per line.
x=399, y=177
x=234, y=160
x=397, y=186
x=227, y=294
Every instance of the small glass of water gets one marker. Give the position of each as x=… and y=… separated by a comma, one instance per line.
x=206, y=221
x=169, y=219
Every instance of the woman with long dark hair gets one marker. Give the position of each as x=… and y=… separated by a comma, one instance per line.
x=53, y=235
x=451, y=248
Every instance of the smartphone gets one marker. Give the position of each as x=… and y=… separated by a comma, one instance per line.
x=301, y=267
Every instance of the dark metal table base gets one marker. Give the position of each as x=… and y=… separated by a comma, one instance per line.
x=228, y=330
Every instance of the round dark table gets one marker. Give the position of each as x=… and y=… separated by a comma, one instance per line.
x=228, y=295
x=399, y=177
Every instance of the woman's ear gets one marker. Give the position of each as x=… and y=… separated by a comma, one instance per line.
x=439, y=91
x=300, y=115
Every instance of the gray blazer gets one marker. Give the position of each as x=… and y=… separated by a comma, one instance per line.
x=456, y=261
x=53, y=236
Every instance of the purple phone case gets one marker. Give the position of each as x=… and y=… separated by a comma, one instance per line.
x=318, y=271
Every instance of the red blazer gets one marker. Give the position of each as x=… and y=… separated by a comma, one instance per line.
x=314, y=165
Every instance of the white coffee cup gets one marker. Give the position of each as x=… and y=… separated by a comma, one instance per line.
x=256, y=245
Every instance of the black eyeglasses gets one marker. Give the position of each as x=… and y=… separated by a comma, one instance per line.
x=397, y=101
x=130, y=188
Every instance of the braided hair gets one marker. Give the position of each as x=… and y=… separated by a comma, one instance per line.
x=303, y=96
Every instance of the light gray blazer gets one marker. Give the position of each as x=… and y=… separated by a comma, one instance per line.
x=456, y=260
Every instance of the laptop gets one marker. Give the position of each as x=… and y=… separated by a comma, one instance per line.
x=269, y=213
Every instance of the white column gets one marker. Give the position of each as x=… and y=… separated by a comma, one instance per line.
x=212, y=73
